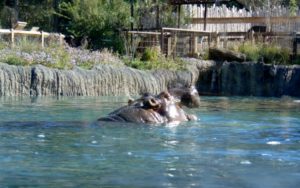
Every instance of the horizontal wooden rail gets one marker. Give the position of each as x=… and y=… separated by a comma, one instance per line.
x=234, y=20
x=144, y=32
x=9, y=31
x=186, y=30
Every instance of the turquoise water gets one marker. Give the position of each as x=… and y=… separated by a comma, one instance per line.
x=238, y=142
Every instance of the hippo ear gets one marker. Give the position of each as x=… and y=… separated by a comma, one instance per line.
x=130, y=101
x=152, y=103
x=164, y=94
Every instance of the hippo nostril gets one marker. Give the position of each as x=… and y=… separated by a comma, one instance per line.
x=153, y=102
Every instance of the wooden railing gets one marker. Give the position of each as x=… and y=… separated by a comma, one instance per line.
x=40, y=34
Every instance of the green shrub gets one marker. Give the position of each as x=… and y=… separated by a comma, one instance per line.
x=275, y=54
x=98, y=20
x=250, y=50
x=271, y=53
x=150, y=54
x=152, y=59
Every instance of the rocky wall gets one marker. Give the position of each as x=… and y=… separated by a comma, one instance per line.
x=210, y=77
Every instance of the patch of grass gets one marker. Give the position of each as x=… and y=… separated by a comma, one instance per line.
x=14, y=60
x=152, y=59
x=26, y=45
x=251, y=51
x=152, y=65
x=205, y=54
x=87, y=65
x=62, y=58
x=3, y=44
x=275, y=54
x=269, y=52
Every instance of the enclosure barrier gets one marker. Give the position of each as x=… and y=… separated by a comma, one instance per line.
x=177, y=42
x=12, y=33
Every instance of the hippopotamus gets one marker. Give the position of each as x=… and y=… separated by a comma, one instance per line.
x=143, y=110
x=186, y=96
x=172, y=109
x=151, y=109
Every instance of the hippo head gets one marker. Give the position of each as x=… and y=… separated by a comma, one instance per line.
x=187, y=96
x=149, y=109
x=147, y=101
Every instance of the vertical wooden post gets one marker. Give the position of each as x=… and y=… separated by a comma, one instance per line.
x=131, y=13
x=205, y=16
x=190, y=44
x=157, y=14
x=296, y=40
x=209, y=39
x=194, y=43
x=162, y=41
x=252, y=36
x=12, y=38
x=178, y=15
x=43, y=39
x=169, y=46
x=131, y=26
x=60, y=39
x=225, y=42
x=217, y=39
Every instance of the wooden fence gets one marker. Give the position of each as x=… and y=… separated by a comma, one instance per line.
x=42, y=35
x=224, y=19
x=186, y=42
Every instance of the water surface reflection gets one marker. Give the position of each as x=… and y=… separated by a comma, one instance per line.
x=238, y=142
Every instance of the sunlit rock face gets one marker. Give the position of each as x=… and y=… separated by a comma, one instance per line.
x=14, y=80
x=103, y=80
x=210, y=78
